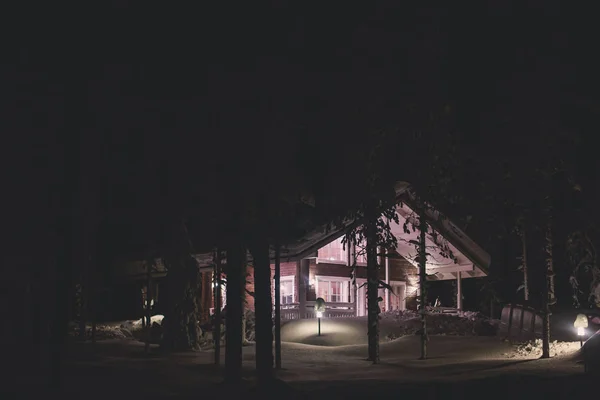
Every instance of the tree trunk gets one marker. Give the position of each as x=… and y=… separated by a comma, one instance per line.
x=263, y=313
x=59, y=330
x=525, y=277
x=550, y=264
x=372, y=292
x=423, y=283
x=546, y=326
x=148, y=316
x=524, y=265
x=244, y=340
x=549, y=298
x=92, y=276
x=63, y=286
x=38, y=342
x=277, y=306
x=69, y=229
x=236, y=260
x=180, y=325
x=244, y=304
x=352, y=264
x=93, y=311
x=93, y=295
x=510, y=320
x=83, y=305
x=217, y=302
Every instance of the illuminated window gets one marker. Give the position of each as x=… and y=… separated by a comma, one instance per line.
x=333, y=251
x=223, y=290
x=361, y=252
x=333, y=289
x=287, y=290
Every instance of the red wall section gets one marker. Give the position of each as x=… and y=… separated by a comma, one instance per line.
x=400, y=270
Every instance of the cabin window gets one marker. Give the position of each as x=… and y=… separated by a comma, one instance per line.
x=333, y=251
x=286, y=290
x=223, y=292
x=361, y=252
x=333, y=289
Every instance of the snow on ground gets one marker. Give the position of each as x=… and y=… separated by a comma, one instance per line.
x=450, y=358
x=334, y=365
x=393, y=325
x=155, y=318
x=337, y=332
x=116, y=330
x=105, y=331
x=340, y=352
x=313, y=369
x=534, y=349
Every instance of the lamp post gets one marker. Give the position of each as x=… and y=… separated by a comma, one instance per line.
x=319, y=309
x=581, y=322
x=319, y=315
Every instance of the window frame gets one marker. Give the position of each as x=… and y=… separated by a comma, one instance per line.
x=329, y=279
x=285, y=279
x=343, y=259
x=364, y=256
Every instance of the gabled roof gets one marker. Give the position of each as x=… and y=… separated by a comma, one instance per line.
x=447, y=229
x=452, y=233
x=308, y=245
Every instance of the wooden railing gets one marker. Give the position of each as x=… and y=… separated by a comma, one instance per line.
x=291, y=311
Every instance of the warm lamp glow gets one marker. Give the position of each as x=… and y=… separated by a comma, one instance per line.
x=581, y=331
x=319, y=314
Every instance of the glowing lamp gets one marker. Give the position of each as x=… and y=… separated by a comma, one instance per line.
x=581, y=322
x=319, y=310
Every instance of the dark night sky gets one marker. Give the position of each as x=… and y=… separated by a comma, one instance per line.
x=147, y=87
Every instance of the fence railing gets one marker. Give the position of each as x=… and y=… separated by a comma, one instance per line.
x=292, y=311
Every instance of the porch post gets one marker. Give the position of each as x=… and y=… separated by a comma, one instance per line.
x=352, y=298
x=277, y=306
x=352, y=249
x=301, y=289
x=459, y=291
x=387, y=280
x=217, y=303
